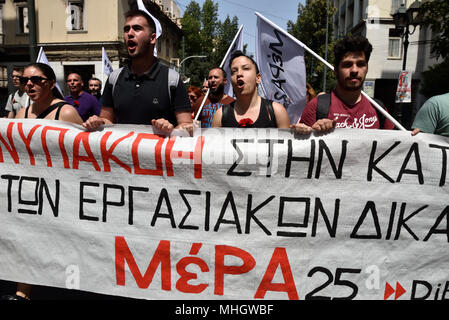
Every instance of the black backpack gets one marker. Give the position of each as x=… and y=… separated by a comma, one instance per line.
x=324, y=102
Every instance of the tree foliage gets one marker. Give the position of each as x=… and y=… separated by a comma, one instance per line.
x=436, y=15
x=435, y=80
x=205, y=34
x=310, y=28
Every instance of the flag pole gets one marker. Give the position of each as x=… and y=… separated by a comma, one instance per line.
x=373, y=102
x=221, y=66
x=39, y=55
x=102, y=69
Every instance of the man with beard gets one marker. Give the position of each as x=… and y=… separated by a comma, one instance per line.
x=217, y=98
x=141, y=93
x=346, y=107
x=94, y=87
x=86, y=104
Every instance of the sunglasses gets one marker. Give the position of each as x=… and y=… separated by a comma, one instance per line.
x=33, y=79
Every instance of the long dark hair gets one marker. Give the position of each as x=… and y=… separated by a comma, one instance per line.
x=49, y=74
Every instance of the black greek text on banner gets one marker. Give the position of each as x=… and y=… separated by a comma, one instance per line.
x=225, y=214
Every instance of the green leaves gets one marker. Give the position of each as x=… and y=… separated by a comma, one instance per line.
x=204, y=34
x=310, y=28
x=436, y=16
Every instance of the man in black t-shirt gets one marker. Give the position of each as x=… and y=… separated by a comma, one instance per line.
x=141, y=92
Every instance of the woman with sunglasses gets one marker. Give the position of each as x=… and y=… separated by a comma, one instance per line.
x=39, y=80
x=47, y=102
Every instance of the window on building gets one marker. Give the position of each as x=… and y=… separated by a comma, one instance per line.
x=395, y=4
x=76, y=20
x=22, y=18
x=394, y=48
x=3, y=77
x=394, y=44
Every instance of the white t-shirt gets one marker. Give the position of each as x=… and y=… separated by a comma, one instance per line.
x=17, y=101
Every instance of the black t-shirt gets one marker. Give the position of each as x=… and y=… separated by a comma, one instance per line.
x=140, y=99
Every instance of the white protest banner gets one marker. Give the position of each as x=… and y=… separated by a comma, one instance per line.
x=42, y=58
x=282, y=67
x=237, y=44
x=226, y=214
x=106, y=65
x=404, y=89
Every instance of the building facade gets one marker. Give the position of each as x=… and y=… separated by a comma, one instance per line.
x=72, y=34
x=373, y=19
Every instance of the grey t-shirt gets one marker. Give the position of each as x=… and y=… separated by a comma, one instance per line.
x=17, y=101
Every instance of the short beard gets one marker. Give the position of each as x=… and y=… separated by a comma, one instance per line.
x=349, y=88
x=217, y=92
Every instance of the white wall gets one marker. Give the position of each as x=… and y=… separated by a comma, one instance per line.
x=380, y=66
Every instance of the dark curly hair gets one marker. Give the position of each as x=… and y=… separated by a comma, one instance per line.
x=352, y=44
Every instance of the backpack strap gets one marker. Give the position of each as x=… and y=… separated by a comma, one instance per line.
x=323, y=105
x=50, y=109
x=227, y=112
x=324, y=102
x=173, y=79
x=113, y=78
x=268, y=104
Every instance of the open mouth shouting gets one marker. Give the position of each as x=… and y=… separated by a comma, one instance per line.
x=240, y=84
x=30, y=92
x=132, y=46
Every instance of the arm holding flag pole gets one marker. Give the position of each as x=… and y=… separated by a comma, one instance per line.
x=374, y=103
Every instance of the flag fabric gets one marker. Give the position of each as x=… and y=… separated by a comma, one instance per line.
x=237, y=44
x=42, y=58
x=280, y=58
x=141, y=6
x=106, y=63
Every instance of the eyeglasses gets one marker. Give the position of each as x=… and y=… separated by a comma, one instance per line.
x=34, y=79
x=15, y=77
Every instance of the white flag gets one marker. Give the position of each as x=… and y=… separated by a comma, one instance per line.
x=237, y=44
x=106, y=63
x=281, y=62
x=42, y=58
x=141, y=6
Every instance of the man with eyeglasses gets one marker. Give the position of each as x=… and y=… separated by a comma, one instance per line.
x=18, y=99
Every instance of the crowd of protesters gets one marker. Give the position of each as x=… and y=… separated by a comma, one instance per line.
x=165, y=105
